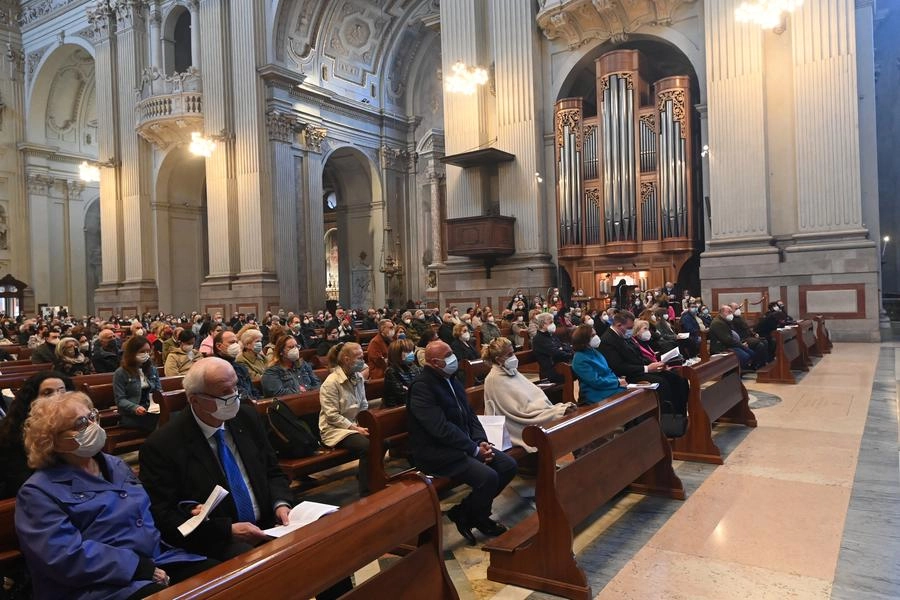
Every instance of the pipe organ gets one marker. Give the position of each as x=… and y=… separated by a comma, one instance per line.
x=625, y=175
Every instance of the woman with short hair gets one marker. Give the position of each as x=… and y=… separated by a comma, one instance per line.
x=251, y=355
x=596, y=381
x=402, y=370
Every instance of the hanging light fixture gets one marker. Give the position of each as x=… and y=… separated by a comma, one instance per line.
x=88, y=173
x=464, y=79
x=768, y=14
x=201, y=146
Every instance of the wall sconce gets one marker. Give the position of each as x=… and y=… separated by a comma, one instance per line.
x=204, y=146
x=89, y=172
x=465, y=79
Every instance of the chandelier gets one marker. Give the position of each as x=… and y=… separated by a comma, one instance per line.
x=390, y=265
x=88, y=173
x=201, y=146
x=768, y=14
x=465, y=80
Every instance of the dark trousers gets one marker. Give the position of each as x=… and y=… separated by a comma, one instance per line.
x=487, y=480
x=177, y=572
x=673, y=389
x=358, y=444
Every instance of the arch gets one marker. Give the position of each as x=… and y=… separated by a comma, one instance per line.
x=182, y=249
x=176, y=40
x=51, y=61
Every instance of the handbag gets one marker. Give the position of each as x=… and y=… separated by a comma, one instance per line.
x=291, y=437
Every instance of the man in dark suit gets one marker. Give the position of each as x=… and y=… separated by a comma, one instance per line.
x=446, y=438
x=724, y=338
x=183, y=461
x=625, y=359
x=548, y=349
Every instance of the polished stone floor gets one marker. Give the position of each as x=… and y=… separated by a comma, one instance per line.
x=807, y=505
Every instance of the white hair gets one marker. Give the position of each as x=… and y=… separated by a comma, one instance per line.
x=195, y=380
x=250, y=336
x=543, y=318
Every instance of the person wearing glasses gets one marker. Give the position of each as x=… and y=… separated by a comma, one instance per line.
x=83, y=519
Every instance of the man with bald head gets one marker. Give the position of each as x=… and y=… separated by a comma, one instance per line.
x=214, y=441
x=724, y=338
x=446, y=438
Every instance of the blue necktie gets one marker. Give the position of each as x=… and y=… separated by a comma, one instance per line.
x=236, y=485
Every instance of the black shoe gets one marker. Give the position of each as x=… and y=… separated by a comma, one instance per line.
x=491, y=528
x=461, y=521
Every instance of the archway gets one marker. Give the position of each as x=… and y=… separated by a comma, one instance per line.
x=176, y=43
x=180, y=213
x=359, y=219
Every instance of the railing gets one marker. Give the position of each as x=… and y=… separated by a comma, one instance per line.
x=169, y=107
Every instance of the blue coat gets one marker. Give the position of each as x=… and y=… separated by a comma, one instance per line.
x=82, y=536
x=596, y=381
x=129, y=396
x=278, y=381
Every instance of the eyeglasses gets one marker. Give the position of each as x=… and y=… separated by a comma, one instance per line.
x=81, y=423
x=226, y=400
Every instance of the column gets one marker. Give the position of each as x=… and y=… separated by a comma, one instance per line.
x=311, y=221
x=435, y=179
x=134, y=150
x=194, y=8
x=252, y=168
x=111, y=248
x=737, y=158
x=218, y=105
x=155, y=41
x=823, y=38
x=282, y=130
x=518, y=82
x=38, y=188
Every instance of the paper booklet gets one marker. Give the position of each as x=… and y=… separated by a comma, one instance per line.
x=673, y=354
x=643, y=386
x=682, y=336
x=216, y=496
x=301, y=515
x=497, y=433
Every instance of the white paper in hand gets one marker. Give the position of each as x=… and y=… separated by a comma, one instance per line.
x=643, y=386
x=301, y=515
x=495, y=428
x=674, y=354
x=211, y=503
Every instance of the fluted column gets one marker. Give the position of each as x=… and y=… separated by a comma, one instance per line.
x=737, y=158
x=516, y=45
x=252, y=164
x=282, y=130
x=465, y=117
x=154, y=22
x=823, y=36
x=104, y=23
x=311, y=221
x=218, y=105
x=134, y=150
x=435, y=179
x=194, y=8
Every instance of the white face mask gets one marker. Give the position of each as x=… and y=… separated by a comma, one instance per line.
x=589, y=321
x=450, y=365
x=293, y=354
x=227, y=410
x=187, y=348
x=737, y=312
x=465, y=336
x=85, y=347
x=139, y=332
x=729, y=317
x=90, y=441
x=511, y=364
x=142, y=357
x=490, y=319
x=234, y=350
x=551, y=328
x=595, y=341
x=645, y=336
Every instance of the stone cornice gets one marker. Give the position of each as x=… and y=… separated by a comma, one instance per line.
x=51, y=152
x=36, y=12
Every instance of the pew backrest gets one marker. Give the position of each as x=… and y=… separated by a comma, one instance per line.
x=9, y=542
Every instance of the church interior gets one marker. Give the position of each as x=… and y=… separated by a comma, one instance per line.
x=204, y=174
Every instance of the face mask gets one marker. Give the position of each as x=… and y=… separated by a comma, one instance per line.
x=628, y=334
x=70, y=351
x=645, y=336
x=653, y=319
x=665, y=316
x=551, y=328
x=511, y=364
x=90, y=441
x=389, y=335
x=729, y=317
x=225, y=411
x=295, y=327
x=359, y=366
x=257, y=347
x=694, y=310
x=293, y=354
x=737, y=312
x=465, y=336
x=407, y=321
x=519, y=319
x=409, y=358
x=402, y=336
x=142, y=357
x=450, y=365
x=85, y=347
x=780, y=305
x=421, y=317
x=589, y=321
x=234, y=350
x=776, y=309
x=595, y=341
x=605, y=318
x=490, y=319
x=187, y=348
x=139, y=332
x=705, y=311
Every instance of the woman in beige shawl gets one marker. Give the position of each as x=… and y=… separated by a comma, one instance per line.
x=509, y=393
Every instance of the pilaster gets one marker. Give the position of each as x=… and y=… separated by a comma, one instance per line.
x=286, y=191
x=311, y=246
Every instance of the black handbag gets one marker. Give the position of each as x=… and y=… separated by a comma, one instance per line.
x=290, y=435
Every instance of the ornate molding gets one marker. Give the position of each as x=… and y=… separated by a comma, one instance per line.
x=678, y=108
x=15, y=57
x=648, y=188
x=101, y=19
x=592, y=195
x=628, y=76
x=650, y=121
x=36, y=11
x=313, y=137
x=32, y=61
x=39, y=183
x=282, y=127
x=577, y=22
x=568, y=117
x=395, y=159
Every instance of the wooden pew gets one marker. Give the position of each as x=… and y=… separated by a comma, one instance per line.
x=30, y=368
x=716, y=394
x=93, y=379
x=787, y=354
x=9, y=541
x=14, y=363
x=474, y=371
x=704, y=345
x=537, y=553
x=809, y=343
x=823, y=337
x=312, y=559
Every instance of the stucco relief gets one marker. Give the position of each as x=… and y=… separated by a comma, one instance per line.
x=68, y=93
x=353, y=39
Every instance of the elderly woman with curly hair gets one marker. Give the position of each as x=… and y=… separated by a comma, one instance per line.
x=83, y=519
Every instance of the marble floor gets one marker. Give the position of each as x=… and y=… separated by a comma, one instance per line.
x=807, y=505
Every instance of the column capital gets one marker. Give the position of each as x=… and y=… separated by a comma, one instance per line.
x=282, y=127
x=313, y=137
x=130, y=13
x=395, y=159
x=101, y=19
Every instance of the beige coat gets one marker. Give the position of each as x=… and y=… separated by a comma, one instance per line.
x=178, y=362
x=341, y=399
x=520, y=401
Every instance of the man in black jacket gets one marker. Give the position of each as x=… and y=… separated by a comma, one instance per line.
x=548, y=349
x=106, y=356
x=46, y=352
x=446, y=438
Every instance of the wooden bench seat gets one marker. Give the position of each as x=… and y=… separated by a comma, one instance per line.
x=787, y=357
x=823, y=337
x=9, y=541
x=537, y=553
x=716, y=394
x=314, y=558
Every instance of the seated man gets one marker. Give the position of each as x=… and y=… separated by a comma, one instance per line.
x=227, y=347
x=46, y=351
x=757, y=345
x=378, y=349
x=106, y=355
x=723, y=338
x=548, y=349
x=446, y=438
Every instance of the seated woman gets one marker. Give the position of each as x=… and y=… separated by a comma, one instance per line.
x=644, y=338
x=489, y=329
x=428, y=336
x=287, y=372
x=13, y=461
x=401, y=371
x=461, y=345
x=509, y=393
x=251, y=355
x=133, y=383
x=663, y=337
x=182, y=356
x=83, y=519
x=70, y=360
x=342, y=397
x=596, y=381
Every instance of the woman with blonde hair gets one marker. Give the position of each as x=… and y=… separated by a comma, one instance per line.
x=83, y=518
x=509, y=393
x=70, y=360
x=342, y=397
x=251, y=355
x=287, y=372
